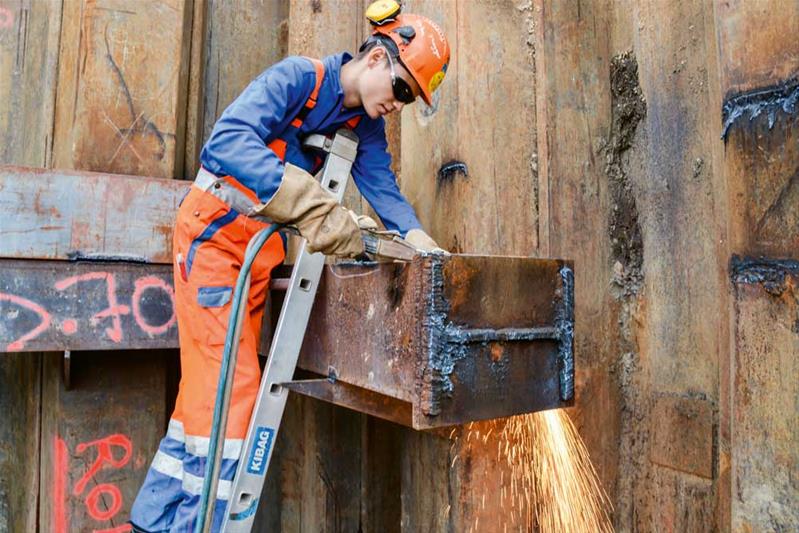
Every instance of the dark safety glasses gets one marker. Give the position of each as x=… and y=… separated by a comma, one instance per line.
x=402, y=91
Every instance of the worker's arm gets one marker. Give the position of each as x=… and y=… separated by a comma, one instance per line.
x=376, y=181
x=238, y=142
x=239, y=147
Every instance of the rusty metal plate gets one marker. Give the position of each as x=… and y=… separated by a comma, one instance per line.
x=58, y=305
x=459, y=338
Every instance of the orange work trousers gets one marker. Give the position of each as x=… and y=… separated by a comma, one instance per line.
x=209, y=244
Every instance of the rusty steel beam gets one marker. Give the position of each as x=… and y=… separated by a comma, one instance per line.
x=457, y=338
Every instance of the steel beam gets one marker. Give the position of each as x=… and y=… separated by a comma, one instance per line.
x=457, y=338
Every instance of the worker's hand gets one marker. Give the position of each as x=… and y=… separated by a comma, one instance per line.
x=326, y=225
x=363, y=221
x=423, y=242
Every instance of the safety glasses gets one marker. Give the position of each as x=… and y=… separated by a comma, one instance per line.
x=402, y=91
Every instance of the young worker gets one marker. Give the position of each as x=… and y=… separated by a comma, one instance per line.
x=253, y=164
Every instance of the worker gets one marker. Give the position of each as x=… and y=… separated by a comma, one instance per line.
x=253, y=164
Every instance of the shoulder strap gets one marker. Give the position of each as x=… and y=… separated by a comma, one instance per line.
x=354, y=121
x=319, y=67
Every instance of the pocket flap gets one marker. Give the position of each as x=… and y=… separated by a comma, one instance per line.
x=214, y=296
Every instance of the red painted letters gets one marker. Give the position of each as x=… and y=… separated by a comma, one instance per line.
x=114, y=310
x=104, y=500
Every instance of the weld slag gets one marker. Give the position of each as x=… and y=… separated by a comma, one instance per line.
x=448, y=343
x=783, y=97
x=443, y=354
x=770, y=273
x=564, y=322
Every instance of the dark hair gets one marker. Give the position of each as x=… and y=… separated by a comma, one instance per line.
x=377, y=40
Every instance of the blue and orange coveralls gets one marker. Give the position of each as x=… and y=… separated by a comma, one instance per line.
x=244, y=156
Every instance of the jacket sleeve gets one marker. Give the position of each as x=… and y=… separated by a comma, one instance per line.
x=238, y=143
x=373, y=175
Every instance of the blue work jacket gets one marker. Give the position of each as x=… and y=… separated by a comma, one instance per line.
x=264, y=111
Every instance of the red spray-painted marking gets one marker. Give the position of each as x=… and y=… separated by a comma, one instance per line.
x=114, y=309
x=69, y=326
x=104, y=455
x=19, y=343
x=6, y=18
x=93, y=498
x=59, y=485
x=151, y=282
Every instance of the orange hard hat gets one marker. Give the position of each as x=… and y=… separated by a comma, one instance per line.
x=421, y=47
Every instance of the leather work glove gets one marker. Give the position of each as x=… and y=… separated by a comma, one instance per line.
x=423, y=242
x=301, y=201
x=363, y=221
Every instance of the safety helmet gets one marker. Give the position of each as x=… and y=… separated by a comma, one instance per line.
x=418, y=43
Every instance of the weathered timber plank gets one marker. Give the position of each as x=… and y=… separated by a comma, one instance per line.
x=20, y=397
x=55, y=305
x=755, y=43
x=765, y=393
x=665, y=162
x=98, y=437
x=67, y=214
x=123, y=72
x=381, y=450
x=224, y=60
x=573, y=111
x=29, y=31
x=759, y=62
x=483, y=116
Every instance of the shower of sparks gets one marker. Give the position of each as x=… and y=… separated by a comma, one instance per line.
x=547, y=481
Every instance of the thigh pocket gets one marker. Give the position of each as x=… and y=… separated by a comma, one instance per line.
x=215, y=302
x=214, y=296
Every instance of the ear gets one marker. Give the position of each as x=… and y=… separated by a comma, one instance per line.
x=376, y=56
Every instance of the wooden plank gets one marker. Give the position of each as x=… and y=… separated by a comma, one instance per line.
x=69, y=214
x=122, y=86
x=670, y=169
x=121, y=108
x=757, y=57
x=759, y=65
x=225, y=61
x=754, y=43
x=475, y=119
x=98, y=437
x=20, y=401
x=29, y=31
x=198, y=55
x=574, y=110
x=53, y=305
x=765, y=391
